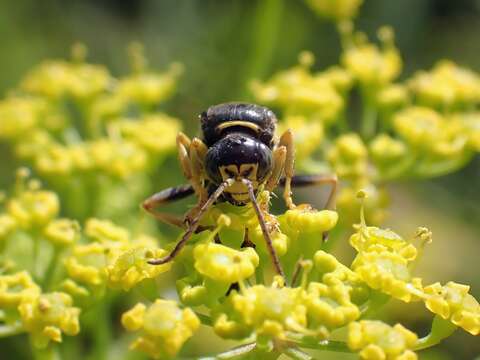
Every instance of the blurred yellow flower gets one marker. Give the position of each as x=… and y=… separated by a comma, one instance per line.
x=335, y=9
x=375, y=340
x=16, y=288
x=446, y=85
x=46, y=316
x=34, y=208
x=370, y=65
x=55, y=79
x=62, y=232
x=164, y=327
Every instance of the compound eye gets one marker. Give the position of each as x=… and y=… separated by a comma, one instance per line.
x=230, y=173
x=247, y=172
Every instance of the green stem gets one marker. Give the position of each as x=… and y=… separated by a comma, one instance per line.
x=369, y=114
x=435, y=169
x=375, y=303
x=266, y=23
x=11, y=330
x=297, y=354
x=49, y=353
x=52, y=266
x=102, y=330
x=441, y=329
x=324, y=345
x=204, y=319
x=233, y=353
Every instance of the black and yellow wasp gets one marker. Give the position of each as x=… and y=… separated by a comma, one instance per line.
x=238, y=155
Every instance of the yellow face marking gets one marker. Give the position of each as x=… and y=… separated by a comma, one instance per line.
x=246, y=124
x=238, y=189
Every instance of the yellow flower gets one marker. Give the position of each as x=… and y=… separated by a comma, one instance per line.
x=335, y=274
x=419, y=126
x=268, y=311
x=386, y=150
x=303, y=219
x=371, y=238
x=452, y=301
x=46, y=316
x=389, y=273
x=62, y=232
x=34, y=208
x=470, y=123
x=224, y=264
x=148, y=131
x=446, y=85
x=375, y=204
x=376, y=340
x=164, y=327
x=53, y=160
x=299, y=92
x=425, y=129
x=393, y=97
x=308, y=135
x=59, y=78
x=107, y=107
x=74, y=290
x=118, y=158
x=106, y=232
x=330, y=305
x=131, y=267
x=149, y=87
x=7, y=225
x=370, y=65
x=87, y=263
x=31, y=144
x=15, y=288
x=19, y=116
x=349, y=156
x=335, y=9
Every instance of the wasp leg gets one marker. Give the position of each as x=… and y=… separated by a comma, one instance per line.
x=310, y=180
x=279, y=156
x=193, y=225
x=163, y=197
x=197, y=152
x=191, y=155
x=287, y=140
x=263, y=226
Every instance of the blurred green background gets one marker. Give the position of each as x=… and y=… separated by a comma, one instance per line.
x=225, y=43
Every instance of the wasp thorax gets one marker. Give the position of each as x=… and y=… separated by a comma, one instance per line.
x=238, y=156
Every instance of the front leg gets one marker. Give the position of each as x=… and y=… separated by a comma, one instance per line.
x=164, y=197
x=286, y=140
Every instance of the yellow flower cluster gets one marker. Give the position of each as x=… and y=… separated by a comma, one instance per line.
x=113, y=257
x=46, y=316
x=268, y=311
x=74, y=123
x=335, y=9
x=375, y=340
x=371, y=66
x=164, y=327
x=384, y=262
x=453, y=302
x=446, y=86
x=43, y=315
x=298, y=91
x=348, y=156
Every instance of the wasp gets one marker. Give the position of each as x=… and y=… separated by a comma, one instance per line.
x=238, y=155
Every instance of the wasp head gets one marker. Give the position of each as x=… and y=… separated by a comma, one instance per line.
x=238, y=156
